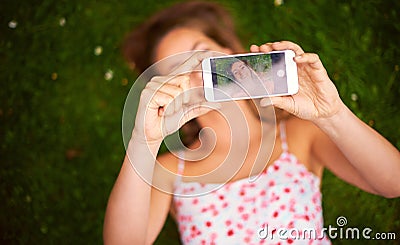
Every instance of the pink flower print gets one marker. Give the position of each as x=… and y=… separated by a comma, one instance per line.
x=271, y=183
x=194, y=232
x=215, y=212
x=250, y=199
x=289, y=175
x=182, y=228
x=249, y=232
x=264, y=204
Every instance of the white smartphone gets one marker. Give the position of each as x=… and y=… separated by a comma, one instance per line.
x=247, y=76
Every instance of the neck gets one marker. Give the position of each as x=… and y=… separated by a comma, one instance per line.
x=235, y=137
x=234, y=126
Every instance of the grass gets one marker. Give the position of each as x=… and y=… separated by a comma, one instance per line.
x=60, y=119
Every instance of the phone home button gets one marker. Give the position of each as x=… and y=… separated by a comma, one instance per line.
x=280, y=73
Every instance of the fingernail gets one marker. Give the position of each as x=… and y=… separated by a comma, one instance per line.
x=298, y=58
x=265, y=102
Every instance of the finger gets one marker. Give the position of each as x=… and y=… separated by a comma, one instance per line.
x=288, y=45
x=183, y=82
x=286, y=103
x=254, y=48
x=191, y=64
x=310, y=58
x=157, y=79
x=159, y=102
x=171, y=89
x=199, y=110
x=177, y=103
x=264, y=102
x=266, y=48
x=172, y=85
x=185, y=85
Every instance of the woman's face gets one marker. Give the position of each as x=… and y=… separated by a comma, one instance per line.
x=183, y=40
x=241, y=71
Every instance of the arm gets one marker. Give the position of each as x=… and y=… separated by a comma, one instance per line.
x=136, y=210
x=361, y=156
x=365, y=158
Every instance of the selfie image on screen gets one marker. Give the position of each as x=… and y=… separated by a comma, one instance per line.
x=249, y=76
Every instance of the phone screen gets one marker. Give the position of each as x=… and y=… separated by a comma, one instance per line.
x=249, y=76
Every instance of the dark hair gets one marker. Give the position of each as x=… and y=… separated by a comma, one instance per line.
x=229, y=72
x=210, y=18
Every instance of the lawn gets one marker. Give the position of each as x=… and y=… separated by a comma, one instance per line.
x=64, y=85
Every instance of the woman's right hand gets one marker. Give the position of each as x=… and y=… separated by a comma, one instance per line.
x=168, y=102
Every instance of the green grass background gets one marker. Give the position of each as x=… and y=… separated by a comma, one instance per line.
x=60, y=119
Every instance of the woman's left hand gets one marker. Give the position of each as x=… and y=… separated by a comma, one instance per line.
x=317, y=98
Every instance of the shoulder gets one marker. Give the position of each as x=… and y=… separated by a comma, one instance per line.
x=165, y=171
x=169, y=161
x=300, y=127
x=302, y=137
x=300, y=134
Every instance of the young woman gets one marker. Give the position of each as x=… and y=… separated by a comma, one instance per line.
x=207, y=189
x=249, y=81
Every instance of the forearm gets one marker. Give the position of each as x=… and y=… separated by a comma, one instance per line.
x=377, y=161
x=126, y=219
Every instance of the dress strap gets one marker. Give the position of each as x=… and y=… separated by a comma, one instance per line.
x=284, y=144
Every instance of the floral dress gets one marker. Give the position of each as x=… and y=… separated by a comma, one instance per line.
x=282, y=206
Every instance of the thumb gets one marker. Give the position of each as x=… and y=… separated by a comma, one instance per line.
x=283, y=102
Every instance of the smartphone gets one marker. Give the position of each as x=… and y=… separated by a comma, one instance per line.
x=247, y=76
